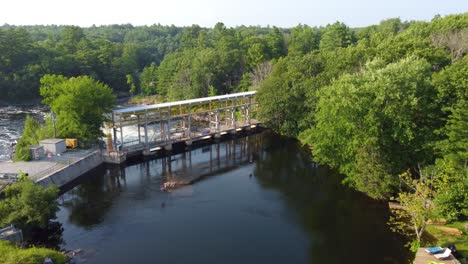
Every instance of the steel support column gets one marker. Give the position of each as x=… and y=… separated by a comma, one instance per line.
x=114, y=131
x=138, y=126
x=146, y=128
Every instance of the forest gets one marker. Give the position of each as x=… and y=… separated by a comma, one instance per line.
x=385, y=105
x=375, y=103
x=177, y=62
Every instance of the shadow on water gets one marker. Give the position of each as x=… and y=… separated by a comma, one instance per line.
x=341, y=225
x=93, y=196
x=345, y=226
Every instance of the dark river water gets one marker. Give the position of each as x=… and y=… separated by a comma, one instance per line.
x=259, y=199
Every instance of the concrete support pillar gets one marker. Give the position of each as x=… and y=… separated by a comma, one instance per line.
x=168, y=127
x=247, y=114
x=234, y=114
x=138, y=126
x=114, y=131
x=161, y=130
x=189, y=127
x=146, y=129
x=168, y=147
x=121, y=134
x=233, y=117
x=218, y=127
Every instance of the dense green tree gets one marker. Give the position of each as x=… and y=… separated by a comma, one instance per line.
x=256, y=54
x=378, y=117
x=451, y=183
x=303, y=39
x=33, y=133
x=190, y=37
x=452, y=84
x=131, y=84
x=18, y=64
x=166, y=71
x=28, y=205
x=416, y=205
x=70, y=39
x=79, y=103
x=283, y=93
x=149, y=80
x=276, y=43
x=337, y=35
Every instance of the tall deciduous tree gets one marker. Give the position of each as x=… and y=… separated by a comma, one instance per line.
x=417, y=207
x=33, y=132
x=149, y=80
x=337, y=35
x=79, y=103
x=303, y=40
x=382, y=117
x=27, y=204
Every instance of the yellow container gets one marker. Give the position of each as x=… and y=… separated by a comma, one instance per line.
x=71, y=143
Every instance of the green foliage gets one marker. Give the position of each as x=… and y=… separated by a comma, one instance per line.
x=371, y=124
x=282, y=95
x=455, y=145
x=337, y=35
x=451, y=182
x=452, y=84
x=149, y=80
x=79, y=104
x=22, y=176
x=276, y=43
x=14, y=255
x=303, y=40
x=417, y=207
x=131, y=83
x=33, y=133
x=27, y=205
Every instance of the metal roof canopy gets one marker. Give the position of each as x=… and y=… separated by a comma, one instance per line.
x=141, y=108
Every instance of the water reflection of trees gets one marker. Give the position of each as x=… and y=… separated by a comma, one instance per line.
x=50, y=237
x=91, y=200
x=344, y=226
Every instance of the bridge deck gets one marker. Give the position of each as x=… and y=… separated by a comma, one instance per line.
x=145, y=127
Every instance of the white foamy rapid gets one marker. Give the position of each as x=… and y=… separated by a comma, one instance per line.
x=12, y=124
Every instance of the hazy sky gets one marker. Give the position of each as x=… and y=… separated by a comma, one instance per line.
x=206, y=13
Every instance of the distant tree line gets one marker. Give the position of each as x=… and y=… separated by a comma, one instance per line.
x=164, y=60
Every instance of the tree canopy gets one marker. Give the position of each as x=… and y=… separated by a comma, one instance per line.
x=79, y=103
x=26, y=204
x=378, y=102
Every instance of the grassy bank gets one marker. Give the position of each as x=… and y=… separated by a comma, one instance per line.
x=442, y=235
x=11, y=254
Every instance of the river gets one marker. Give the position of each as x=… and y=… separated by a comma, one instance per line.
x=12, y=123
x=258, y=199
